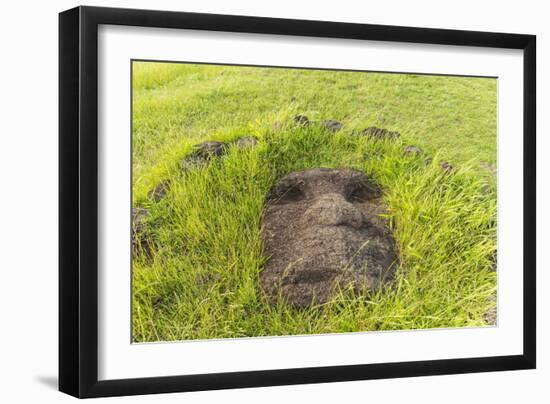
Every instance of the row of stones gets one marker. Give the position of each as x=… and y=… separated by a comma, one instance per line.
x=202, y=153
x=205, y=151
x=335, y=126
x=372, y=132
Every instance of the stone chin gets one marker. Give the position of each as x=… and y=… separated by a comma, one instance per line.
x=322, y=232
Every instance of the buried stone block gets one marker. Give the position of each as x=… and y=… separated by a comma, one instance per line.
x=192, y=161
x=160, y=191
x=301, y=119
x=209, y=149
x=322, y=231
x=202, y=153
x=446, y=167
x=333, y=125
x=206, y=151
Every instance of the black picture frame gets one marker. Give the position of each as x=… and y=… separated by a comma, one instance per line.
x=78, y=201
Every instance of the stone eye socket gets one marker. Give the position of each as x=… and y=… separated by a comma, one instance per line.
x=287, y=193
x=361, y=193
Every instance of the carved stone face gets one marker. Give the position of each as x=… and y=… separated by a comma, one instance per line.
x=322, y=231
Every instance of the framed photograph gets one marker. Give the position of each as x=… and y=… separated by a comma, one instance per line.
x=251, y=201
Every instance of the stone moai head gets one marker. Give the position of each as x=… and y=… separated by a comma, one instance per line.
x=322, y=231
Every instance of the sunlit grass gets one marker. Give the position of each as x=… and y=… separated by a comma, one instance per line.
x=202, y=281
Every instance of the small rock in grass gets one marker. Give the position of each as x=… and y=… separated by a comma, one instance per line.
x=202, y=153
x=446, y=167
x=191, y=162
x=246, y=142
x=139, y=216
x=142, y=246
x=301, y=119
x=160, y=191
x=209, y=149
x=380, y=133
x=333, y=125
x=157, y=301
x=413, y=150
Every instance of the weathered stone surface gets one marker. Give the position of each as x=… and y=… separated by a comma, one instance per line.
x=191, y=162
x=380, y=133
x=160, y=191
x=202, y=153
x=301, y=119
x=246, y=142
x=209, y=149
x=446, y=167
x=322, y=231
x=412, y=150
x=333, y=125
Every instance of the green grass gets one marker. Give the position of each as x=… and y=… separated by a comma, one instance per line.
x=202, y=281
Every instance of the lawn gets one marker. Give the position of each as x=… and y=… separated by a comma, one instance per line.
x=201, y=279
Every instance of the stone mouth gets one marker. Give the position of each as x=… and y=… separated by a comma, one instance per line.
x=306, y=275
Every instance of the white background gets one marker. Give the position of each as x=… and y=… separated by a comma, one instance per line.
x=28, y=167
x=120, y=360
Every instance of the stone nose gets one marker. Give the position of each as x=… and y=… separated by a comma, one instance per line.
x=333, y=210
